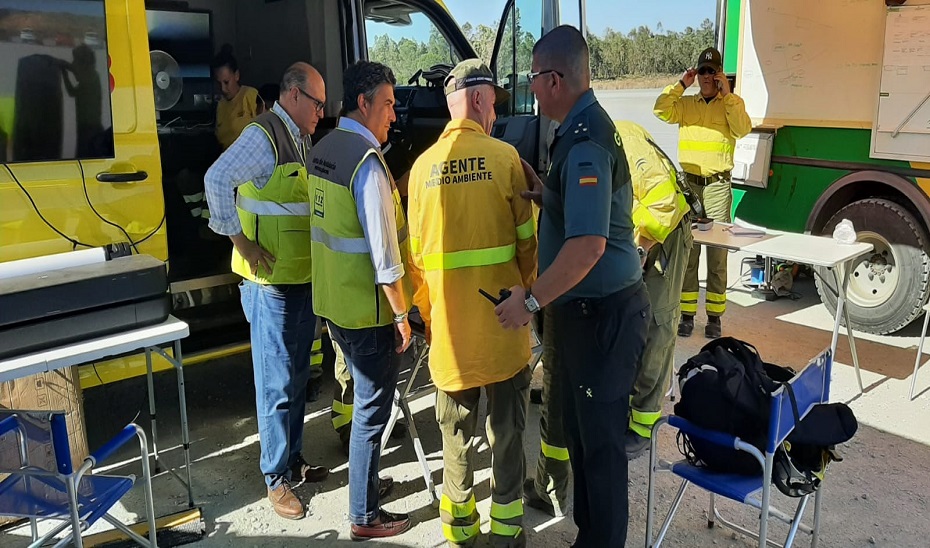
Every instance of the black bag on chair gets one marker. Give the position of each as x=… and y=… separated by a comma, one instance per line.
x=727, y=388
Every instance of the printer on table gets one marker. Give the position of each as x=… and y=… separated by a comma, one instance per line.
x=49, y=308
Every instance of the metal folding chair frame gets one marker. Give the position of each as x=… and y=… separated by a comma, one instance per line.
x=72, y=479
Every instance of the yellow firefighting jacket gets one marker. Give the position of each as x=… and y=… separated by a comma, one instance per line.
x=469, y=230
x=707, y=132
x=658, y=205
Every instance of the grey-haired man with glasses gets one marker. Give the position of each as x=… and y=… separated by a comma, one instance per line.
x=258, y=196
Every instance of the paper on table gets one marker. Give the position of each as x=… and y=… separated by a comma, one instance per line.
x=738, y=230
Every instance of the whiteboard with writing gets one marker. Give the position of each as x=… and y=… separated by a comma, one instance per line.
x=806, y=62
x=902, y=119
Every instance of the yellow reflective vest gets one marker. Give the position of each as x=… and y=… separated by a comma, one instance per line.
x=277, y=216
x=345, y=291
x=470, y=230
x=707, y=131
x=658, y=205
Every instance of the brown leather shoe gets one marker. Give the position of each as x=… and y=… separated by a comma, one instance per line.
x=285, y=502
x=303, y=471
x=387, y=525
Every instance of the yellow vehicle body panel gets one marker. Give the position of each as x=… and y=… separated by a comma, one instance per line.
x=58, y=188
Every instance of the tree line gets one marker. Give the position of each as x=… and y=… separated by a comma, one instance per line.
x=639, y=52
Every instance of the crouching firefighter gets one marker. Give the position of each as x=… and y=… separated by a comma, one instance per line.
x=662, y=232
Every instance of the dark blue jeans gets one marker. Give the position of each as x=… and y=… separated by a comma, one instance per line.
x=374, y=367
x=281, y=324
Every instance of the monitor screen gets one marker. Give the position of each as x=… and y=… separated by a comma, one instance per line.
x=187, y=37
x=54, y=81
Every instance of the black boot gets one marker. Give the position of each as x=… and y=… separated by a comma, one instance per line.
x=713, y=329
x=686, y=326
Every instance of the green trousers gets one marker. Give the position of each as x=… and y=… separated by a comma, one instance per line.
x=717, y=198
x=553, y=468
x=343, y=397
x=665, y=270
x=457, y=414
x=316, y=352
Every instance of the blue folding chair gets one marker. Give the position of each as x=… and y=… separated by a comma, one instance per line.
x=811, y=387
x=75, y=498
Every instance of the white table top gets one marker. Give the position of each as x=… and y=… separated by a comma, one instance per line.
x=91, y=350
x=807, y=249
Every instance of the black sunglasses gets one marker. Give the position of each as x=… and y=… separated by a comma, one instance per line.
x=704, y=70
x=319, y=104
x=534, y=75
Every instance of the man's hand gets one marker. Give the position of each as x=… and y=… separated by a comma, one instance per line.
x=512, y=313
x=688, y=77
x=253, y=253
x=646, y=243
x=723, y=84
x=403, y=330
x=533, y=181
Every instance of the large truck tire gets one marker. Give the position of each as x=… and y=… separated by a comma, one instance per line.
x=888, y=286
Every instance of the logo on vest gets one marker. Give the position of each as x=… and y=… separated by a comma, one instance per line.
x=318, y=202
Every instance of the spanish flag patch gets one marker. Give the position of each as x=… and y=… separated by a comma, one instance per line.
x=588, y=181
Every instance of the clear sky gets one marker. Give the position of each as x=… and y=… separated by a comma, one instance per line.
x=620, y=15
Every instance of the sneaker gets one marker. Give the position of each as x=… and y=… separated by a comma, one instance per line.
x=285, y=502
x=388, y=524
x=713, y=329
x=534, y=500
x=636, y=445
x=686, y=326
x=303, y=471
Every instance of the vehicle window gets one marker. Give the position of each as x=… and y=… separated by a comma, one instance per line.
x=405, y=39
x=54, y=81
x=522, y=27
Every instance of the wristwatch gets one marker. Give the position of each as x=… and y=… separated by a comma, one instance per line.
x=399, y=318
x=641, y=251
x=531, y=304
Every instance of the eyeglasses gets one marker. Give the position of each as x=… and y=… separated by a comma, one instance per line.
x=534, y=75
x=319, y=104
x=704, y=70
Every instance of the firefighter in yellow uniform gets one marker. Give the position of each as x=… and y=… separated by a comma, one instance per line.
x=663, y=235
x=471, y=230
x=709, y=124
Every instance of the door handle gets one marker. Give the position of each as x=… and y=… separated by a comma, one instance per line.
x=131, y=177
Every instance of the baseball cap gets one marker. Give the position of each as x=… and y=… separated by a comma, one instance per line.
x=710, y=57
x=473, y=72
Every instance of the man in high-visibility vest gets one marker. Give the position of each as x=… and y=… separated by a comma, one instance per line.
x=471, y=230
x=663, y=234
x=257, y=191
x=709, y=124
x=359, y=247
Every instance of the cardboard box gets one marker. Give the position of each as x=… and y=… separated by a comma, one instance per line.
x=56, y=391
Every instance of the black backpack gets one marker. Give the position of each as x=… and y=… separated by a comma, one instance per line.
x=728, y=388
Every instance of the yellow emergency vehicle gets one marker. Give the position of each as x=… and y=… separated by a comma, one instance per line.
x=107, y=131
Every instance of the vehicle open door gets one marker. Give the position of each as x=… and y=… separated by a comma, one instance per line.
x=421, y=42
x=521, y=25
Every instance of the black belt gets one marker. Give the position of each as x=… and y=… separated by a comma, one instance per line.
x=704, y=181
x=589, y=306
